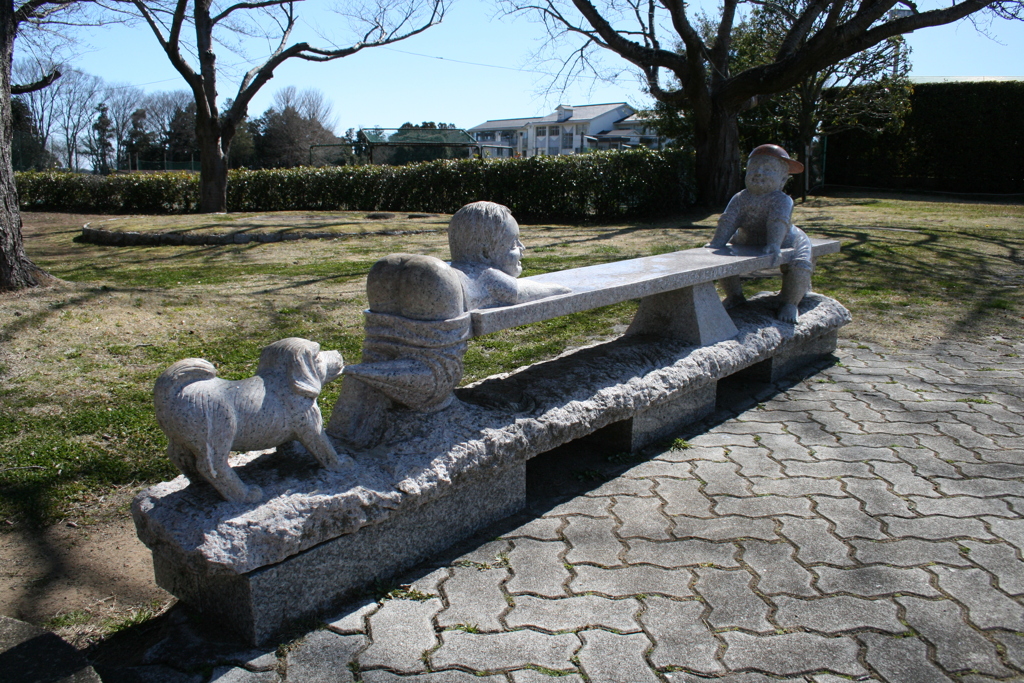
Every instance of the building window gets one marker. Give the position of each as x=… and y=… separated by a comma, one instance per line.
x=485, y=136
x=567, y=139
x=553, y=131
x=542, y=131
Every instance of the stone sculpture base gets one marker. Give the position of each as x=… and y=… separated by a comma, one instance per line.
x=321, y=537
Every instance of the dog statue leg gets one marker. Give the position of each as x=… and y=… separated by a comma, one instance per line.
x=185, y=461
x=225, y=479
x=311, y=434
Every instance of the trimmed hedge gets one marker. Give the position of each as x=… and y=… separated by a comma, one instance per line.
x=958, y=137
x=598, y=185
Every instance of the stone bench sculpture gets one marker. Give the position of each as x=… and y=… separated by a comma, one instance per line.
x=428, y=470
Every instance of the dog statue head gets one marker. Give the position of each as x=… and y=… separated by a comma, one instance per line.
x=306, y=367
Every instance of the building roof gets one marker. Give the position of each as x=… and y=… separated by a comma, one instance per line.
x=580, y=113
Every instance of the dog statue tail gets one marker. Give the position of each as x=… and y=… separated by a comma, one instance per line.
x=181, y=374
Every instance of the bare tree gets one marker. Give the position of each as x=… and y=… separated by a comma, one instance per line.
x=41, y=103
x=122, y=100
x=380, y=22
x=78, y=93
x=663, y=38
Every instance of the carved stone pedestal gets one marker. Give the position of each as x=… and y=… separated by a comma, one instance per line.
x=322, y=536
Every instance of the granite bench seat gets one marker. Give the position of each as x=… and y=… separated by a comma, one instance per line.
x=677, y=291
x=436, y=478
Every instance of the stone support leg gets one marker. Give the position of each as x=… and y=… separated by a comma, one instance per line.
x=663, y=420
x=693, y=314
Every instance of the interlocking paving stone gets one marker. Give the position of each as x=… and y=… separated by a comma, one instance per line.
x=506, y=650
x=853, y=453
x=838, y=613
x=572, y=614
x=986, y=606
x=901, y=660
x=792, y=653
x=323, y=657
x=683, y=677
x=993, y=470
x=541, y=528
x=724, y=528
x=879, y=441
x=835, y=422
x=732, y=600
x=1010, y=530
x=936, y=527
x=785, y=447
x=712, y=439
x=693, y=454
x=537, y=568
x=927, y=463
x=474, y=598
x=1000, y=560
x=962, y=506
x=611, y=658
x=228, y=674
x=966, y=436
x=849, y=520
x=958, y=647
x=909, y=552
x=641, y=517
x=778, y=571
x=1014, y=644
x=593, y=540
x=721, y=478
x=401, y=631
x=877, y=498
x=662, y=468
x=875, y=581
x=680, y=636
x=632, y=581
x=684, y=497
x=827, y=469
x=451, y=676
x=534, y=676
x=813, y=434
x=796, y=486
x=582, y=505
x=691, y=552
x=755, y=462
x=978, y=487
x=763, y=506
x=353, y=618
x=623, y=486
x=815, y=542
x=489, y=553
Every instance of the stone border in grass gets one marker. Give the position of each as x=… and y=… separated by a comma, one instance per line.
x=128, y=238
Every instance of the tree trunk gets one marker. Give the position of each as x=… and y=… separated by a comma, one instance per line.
x=16, y=270
x=213, y=167
x=718, y=170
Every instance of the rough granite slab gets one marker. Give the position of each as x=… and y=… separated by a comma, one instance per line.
x=498, y=423
x=610, y=283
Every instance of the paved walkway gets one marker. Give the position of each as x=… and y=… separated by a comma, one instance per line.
x=866, y=523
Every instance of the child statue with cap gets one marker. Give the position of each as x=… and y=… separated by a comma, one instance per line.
x=761, y=215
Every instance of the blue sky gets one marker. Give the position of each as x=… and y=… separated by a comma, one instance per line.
x=477, y=65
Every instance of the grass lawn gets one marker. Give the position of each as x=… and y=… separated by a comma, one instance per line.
x=78, y=360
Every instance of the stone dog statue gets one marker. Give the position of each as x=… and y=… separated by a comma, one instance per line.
x=761, y=215
x=205, y=418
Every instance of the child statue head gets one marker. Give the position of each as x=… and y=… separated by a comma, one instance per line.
x=486, y=233
x=768, y=168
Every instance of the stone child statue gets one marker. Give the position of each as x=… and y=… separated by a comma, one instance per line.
x=486, y=252
x=418, y=322
x=761, y=215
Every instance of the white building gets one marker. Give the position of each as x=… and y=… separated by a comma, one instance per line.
x=568, y=130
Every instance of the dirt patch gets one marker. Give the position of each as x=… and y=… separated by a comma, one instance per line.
x=83, y=581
